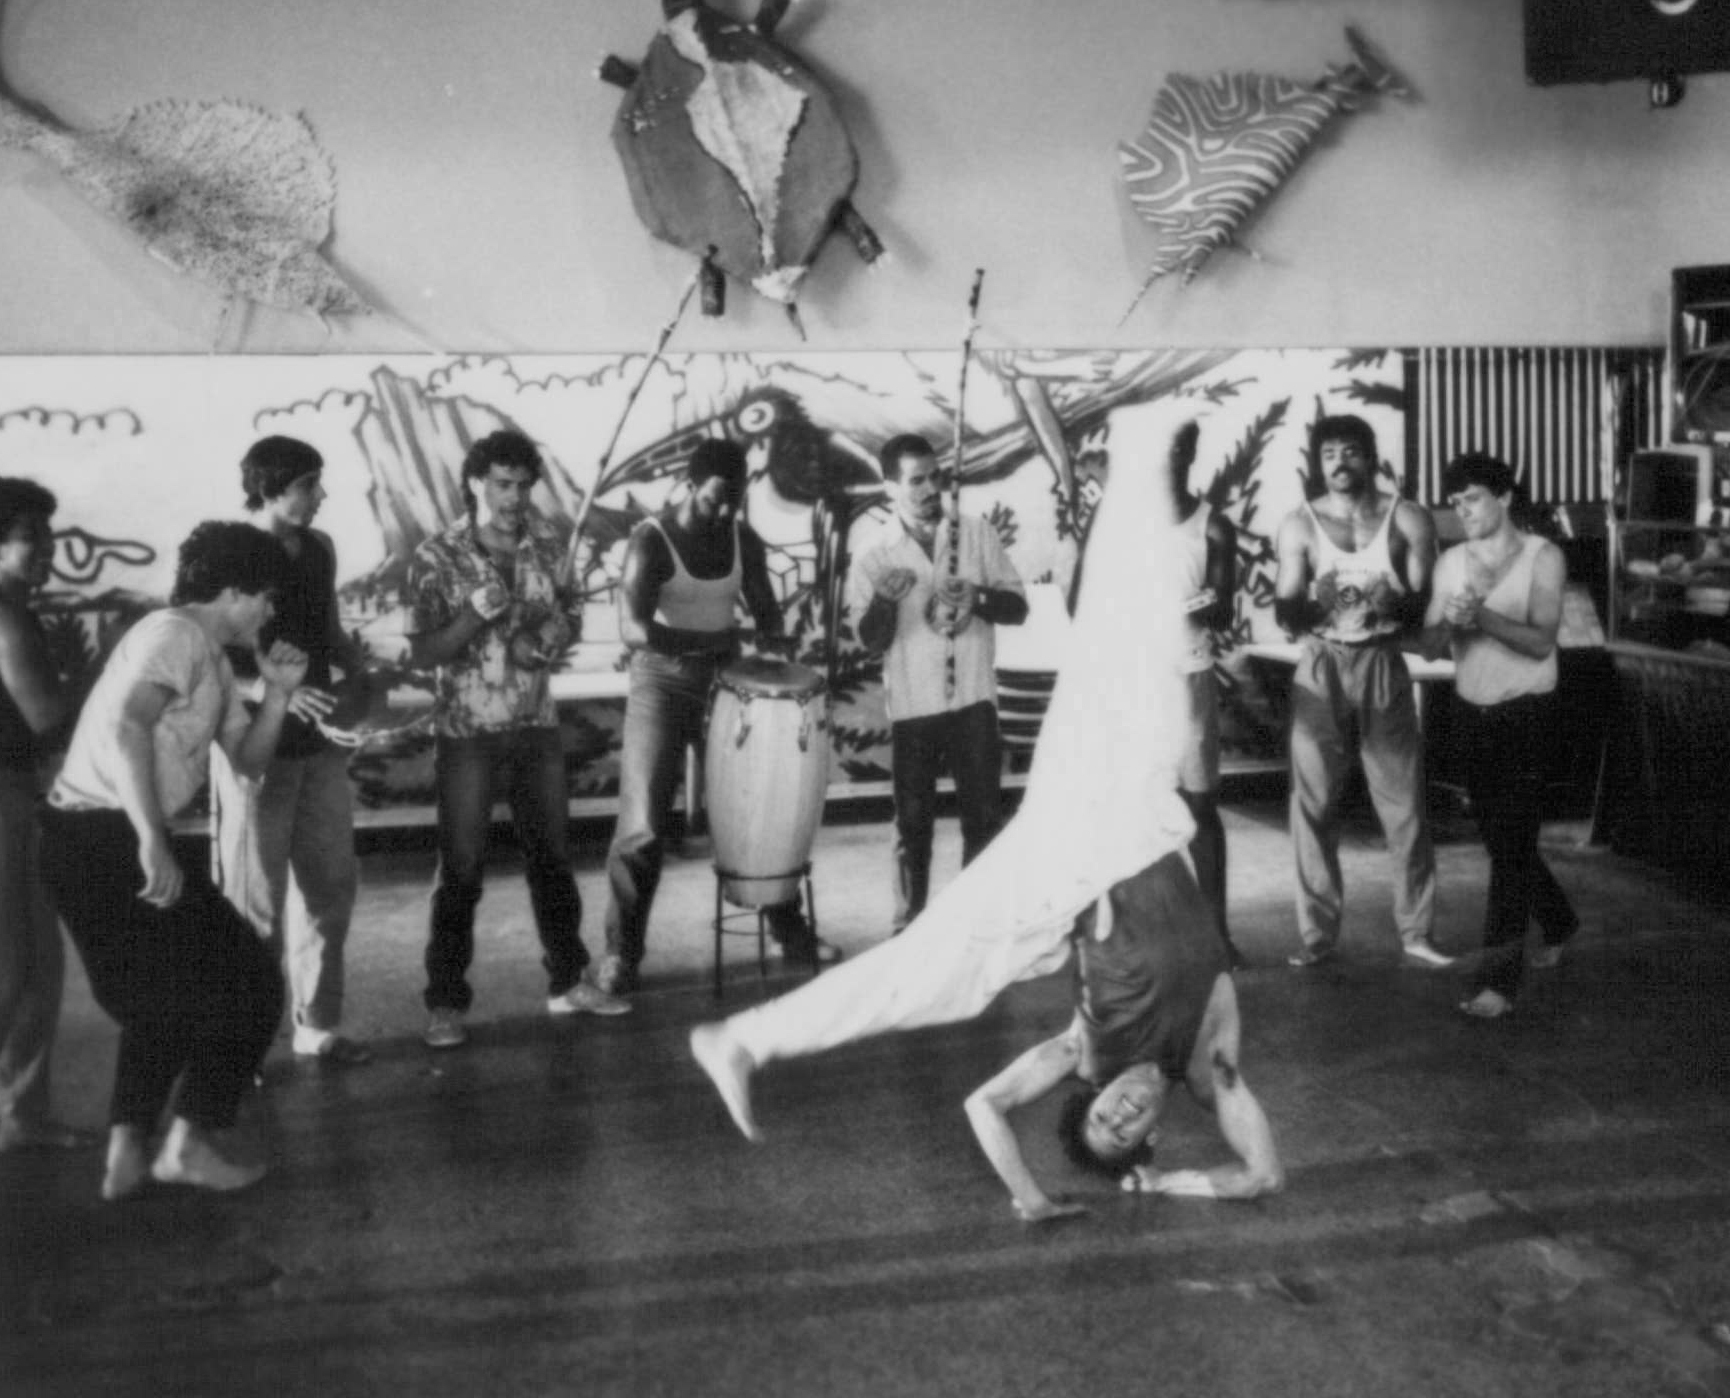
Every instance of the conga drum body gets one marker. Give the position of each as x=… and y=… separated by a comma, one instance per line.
x=765, y=768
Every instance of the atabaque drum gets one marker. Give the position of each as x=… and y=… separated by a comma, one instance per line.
x=765, y=767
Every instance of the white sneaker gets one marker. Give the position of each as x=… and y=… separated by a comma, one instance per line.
x=445, y=1030
x=586, y=998
x=1425, y=953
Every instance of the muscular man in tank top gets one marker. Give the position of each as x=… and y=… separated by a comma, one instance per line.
x=1354, y=574
x=685, y=574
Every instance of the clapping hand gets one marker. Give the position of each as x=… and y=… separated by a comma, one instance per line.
x=1461, y=610
x=893, y=585
x=952, y=605
x=282, y=667
x=1383, y=600
x=311, y=704
x=490, y=601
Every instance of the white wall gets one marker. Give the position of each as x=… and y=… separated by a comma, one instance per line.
x=481, y=200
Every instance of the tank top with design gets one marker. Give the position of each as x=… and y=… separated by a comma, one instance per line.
x=1356, y=571
x=1485, y=670
x=688, y=603
x=1192, y=545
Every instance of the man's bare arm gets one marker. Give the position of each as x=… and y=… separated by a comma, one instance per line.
x=1292, y=607
x=1027, y=1079
x=28, y=674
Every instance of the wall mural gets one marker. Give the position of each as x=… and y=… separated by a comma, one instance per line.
x=138, y=449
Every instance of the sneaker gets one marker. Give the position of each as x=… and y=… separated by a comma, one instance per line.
x=586, y=998
x=327, y=1046
x=613, y=977
x=1487, y=1004
x=445, y=1030
x=1310, y=956
x=1425, y=953
x=1545, y=958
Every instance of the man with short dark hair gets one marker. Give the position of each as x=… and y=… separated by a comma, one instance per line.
x=1354, y=577
x=196, y=994
x=33, y=705
x=290, y=831
x=686, y=573
x=935, y=624
x=1155, y=1004
x=491, y=609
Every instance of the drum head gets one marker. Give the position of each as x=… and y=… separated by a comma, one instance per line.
x=761, y=676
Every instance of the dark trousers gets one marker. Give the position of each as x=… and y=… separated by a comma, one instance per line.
x=196, y=993
x=966, y=740
x=527, y=767
x=1508, y=750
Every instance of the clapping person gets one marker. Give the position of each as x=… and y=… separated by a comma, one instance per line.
x=197, y=995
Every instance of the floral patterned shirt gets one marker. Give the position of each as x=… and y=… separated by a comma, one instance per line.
x=483, y=690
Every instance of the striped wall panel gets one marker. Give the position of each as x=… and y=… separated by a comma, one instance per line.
x=1561, y=416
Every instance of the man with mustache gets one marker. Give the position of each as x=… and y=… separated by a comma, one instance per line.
x=1354, y=577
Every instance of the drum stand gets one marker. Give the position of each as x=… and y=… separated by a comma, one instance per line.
x=722, y=930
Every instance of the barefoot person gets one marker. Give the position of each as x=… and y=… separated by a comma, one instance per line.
x=1101, y=804
x=1155, y=1006
x=197, y=995
x=1497, y=606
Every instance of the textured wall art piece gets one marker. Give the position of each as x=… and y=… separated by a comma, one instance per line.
x=1216, y=149
x=735, y=151
x=238, y=197
x=139, y=448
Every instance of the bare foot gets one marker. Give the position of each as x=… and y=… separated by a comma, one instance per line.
x=30, y=1134
x=127, y=1163
x=729, y=1067
x=188, y=1157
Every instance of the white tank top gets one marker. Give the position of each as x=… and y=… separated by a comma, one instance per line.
x=687, y=603
x=1192, y=566
x=1485, y=670
x=1355, y=571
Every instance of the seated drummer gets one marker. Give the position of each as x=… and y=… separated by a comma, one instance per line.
x=936, y=630
x=685, y=573
x=1155, y=1005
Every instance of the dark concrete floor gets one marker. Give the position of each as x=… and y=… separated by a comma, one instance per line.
x=1537, y=1206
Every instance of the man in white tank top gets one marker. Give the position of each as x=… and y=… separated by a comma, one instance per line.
x=685, y=574
x=1497, y=606
x=1354, y=572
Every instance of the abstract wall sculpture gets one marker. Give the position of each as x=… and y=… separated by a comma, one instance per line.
x=235, y=196
x=734, y=150
x=1216, y=149
x=139, y=448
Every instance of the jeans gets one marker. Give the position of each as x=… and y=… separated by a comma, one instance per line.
x=32, y=958
x=666, y=712
x=967, y=738
x=527, y=766
x=283, y=852
x=1508, y=748
x=196, y=994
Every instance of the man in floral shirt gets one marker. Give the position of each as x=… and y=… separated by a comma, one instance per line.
x=491, y=610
